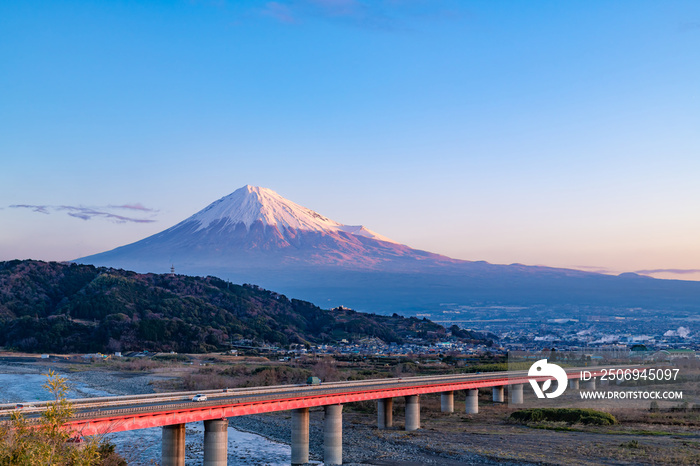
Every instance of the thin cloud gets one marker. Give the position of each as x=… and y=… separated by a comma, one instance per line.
x=136, y=206
x=293, y=11
x=391, y=15
x=690, y=26
x=593, y=268
x=338, y=7
x=640, y=272
x=674, y=271
x=89, y=213
x=279, y=12
x=42, y=209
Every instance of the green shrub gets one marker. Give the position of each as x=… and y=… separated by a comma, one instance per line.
x=569, y=415
x=28, y=441
x=630, y=444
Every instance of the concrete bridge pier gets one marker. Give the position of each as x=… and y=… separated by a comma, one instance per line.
x=498, y=394
x=516, y=394
x=333, y=435
x=412, y=412
x=573, y=383
x=447, y=402
x=216, y=442
x=385, y=413
x=300, y=436
x=589, y=384
x=472, y=401
x=173, y=445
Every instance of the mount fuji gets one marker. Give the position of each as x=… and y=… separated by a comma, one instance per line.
x=254, y=235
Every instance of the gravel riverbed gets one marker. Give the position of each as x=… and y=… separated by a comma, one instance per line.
x=115, y=382
x=363, y=444
x=119, y=383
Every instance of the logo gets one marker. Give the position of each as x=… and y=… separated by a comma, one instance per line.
x=542, y=368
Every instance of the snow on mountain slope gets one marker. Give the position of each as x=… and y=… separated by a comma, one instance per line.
x=255, y=227
x=250, y=204
x=254, y=235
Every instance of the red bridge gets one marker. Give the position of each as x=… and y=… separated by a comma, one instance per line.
x=173, y=410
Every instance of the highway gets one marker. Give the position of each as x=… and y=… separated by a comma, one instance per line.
x=118, y=413
x=249, y=394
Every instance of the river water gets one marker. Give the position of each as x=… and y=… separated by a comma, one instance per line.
x=142, y=447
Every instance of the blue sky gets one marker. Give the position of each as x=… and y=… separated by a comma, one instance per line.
x=556, y=133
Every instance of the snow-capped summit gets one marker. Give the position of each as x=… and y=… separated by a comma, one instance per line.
x=254, y=235
x=255, y=227
x=251, y=204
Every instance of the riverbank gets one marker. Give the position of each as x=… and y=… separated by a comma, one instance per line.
x=21, y=381
x=490, y=437
x=363, y=444
x=82, y=377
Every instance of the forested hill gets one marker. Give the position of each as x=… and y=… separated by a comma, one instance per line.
x=57, y=307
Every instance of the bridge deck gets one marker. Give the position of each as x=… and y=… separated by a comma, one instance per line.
x=116, y=414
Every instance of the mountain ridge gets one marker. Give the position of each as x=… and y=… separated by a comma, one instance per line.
x=254, y=235
x=250, y=204
x=55, y=307
x=252, y=220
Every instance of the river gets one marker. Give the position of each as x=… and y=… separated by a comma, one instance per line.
x=142, y=447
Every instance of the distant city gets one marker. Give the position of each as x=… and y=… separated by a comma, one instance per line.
x=612, y=329
x=539, y=327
